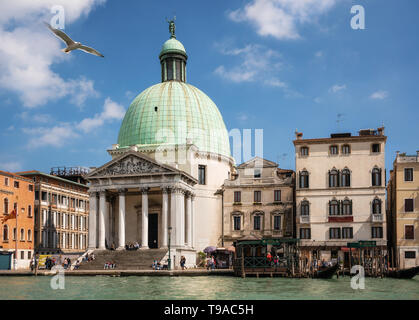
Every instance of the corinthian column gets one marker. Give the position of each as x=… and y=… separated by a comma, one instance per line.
x=165, y=214
x=102, y=214
x=144, y=209
x=121, y=219
x=188, y=220
x=92, y=220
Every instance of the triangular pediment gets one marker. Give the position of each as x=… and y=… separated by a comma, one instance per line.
x=131, y=163
x=258, y=162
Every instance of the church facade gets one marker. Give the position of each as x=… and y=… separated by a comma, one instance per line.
x=172, y=156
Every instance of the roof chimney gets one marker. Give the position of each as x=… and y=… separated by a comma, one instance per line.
x=380, y=131
x=298, y=135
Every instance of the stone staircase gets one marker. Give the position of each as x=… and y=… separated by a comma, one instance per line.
x=124, y=259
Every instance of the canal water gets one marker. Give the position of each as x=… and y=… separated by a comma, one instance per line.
x=210, y=287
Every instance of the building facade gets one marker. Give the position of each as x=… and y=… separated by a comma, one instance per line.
x=172, y=155
x=17, y=231
x=258, y=201
x=61, y=214
x=403, y=211
x=340, y=192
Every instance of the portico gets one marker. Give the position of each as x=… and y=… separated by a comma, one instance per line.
x=135, y=199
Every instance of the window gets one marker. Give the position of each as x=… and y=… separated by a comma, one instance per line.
x=346, y=178
x=277, y=222
x=277, y=195
x=334, y=208
x=334, y=150
x=201, y=174
x=6, y=181
x=29, y=235
x=16, y=184
x=410, y=254
x=29, y=255
x=304, y=151
x=333, y=178
x=346, y=149
x=30, y=187
x=256, y=222
x=408, y=174
x=347, y=233
x=409, y=232
x=347, y=207
x=6, y=205
x=29, y=211
x=305, y=233
x=14, y=233
x=22, y=255
x=5, y=233
x=237, y=196
x=376, y=206
x=256, y=173
x=237, y=222
x=408, y=205
x=257, y=196
x=334, y=233
x=375, y=148
x=22, y=234
x=304, y=179
x=305, y=208
x=169, y=69
x=376, y=177
x=377, y=232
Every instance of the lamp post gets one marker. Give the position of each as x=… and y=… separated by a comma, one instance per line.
x=169, y=261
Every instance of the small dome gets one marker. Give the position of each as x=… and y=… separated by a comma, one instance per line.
x=181, y=108
x=172, y=46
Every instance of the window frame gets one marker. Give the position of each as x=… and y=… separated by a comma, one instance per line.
x=351, y=232
x=344, y=147
x=345, y=180
x=304, y=177
x=334, y=147
x=276, y=192
x=239, y=217
x=255, y=198
x=379, y=206
x=412, y=171
x=380, y=234
x=335, y=229
x=376, y=172
x=257, y=222
x=201, y=169
x=275, y=217
x=304, y=203
x=303, y=233
x=237, y=196
x=372, y=148
x=304, y=151
x=405, y=233
x=413, y=205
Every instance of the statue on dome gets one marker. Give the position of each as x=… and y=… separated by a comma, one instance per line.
x=172, y=27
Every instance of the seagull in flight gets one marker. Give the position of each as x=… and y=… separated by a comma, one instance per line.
x=72, y=45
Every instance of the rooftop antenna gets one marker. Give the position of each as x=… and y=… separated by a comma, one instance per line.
x=339, y=120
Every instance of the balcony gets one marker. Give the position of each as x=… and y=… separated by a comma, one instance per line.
x=304, y=219
x=341, y=218
x=377, y=218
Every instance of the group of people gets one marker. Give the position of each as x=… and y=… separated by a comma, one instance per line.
x=109, y=265
x=273, y=260
x=132, y=246
x=211, y=263
x=89, y=257
x=156, y=265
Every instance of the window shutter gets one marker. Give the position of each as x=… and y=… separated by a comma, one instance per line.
x=330, y=180
x=379, y=178
x=351, y=208
x=330, y=208
x=338, y=178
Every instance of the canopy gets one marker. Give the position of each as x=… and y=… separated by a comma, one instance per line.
x=210, y=249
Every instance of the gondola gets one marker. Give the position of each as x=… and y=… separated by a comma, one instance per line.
x=326, y=273
x=404, y=273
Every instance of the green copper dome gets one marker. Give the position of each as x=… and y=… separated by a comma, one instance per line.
x=180, y=109
x=172, y=46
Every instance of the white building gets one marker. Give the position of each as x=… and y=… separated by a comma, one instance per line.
x=340, y=192
x=172, y=155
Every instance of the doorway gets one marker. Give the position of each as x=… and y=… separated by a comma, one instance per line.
x=153, y=227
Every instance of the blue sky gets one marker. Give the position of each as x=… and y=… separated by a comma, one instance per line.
x=278, y=65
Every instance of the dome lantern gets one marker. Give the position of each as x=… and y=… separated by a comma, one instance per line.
x=173, y=58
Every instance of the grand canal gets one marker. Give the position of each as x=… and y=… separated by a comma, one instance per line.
x=209, y=287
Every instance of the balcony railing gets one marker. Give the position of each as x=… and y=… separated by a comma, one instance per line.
x=377, y=218
x=305, y=219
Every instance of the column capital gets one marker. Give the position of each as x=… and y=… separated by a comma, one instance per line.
x=166, y=189
x=144, y=190
x=178, y=190
x=122, y=191
x=102, y=193
x=92, y=194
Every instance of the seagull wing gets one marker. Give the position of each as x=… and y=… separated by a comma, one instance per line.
x=60, y=34
x=90, y=50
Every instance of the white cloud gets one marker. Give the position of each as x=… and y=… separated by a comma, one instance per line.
x=111, y=111
x=10, y=166
x=318, y=54
x=337, y=88
x=256, y=64
x=61, y=134
x=379, y=95
x=281, y=18
x=29, y=50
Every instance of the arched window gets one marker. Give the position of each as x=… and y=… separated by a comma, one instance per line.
x=334, y=150
x=346, y=178
x=347, y=207
x=6, y=205
x=22, y=234
x=29, y=235
x=305, y=208
x=29, y=211
x=5, y=233
x=304, y=179
x=376, y=206
x=256, y=222
x=376, y=176
x=333, y=207
x=333, y=178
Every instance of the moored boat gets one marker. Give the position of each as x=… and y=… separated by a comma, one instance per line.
x=326, y=273
x=404, y=273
